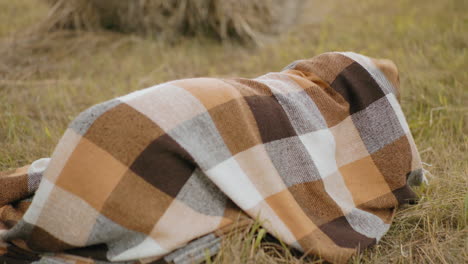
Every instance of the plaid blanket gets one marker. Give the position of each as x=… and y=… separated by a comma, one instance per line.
x=320, y=152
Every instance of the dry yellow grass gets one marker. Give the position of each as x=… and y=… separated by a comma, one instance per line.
x=224, y=19
x=45, y=82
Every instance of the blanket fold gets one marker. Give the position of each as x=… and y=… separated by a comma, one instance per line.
x=320, y=152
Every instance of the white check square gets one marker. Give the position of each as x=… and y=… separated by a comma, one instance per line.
x=231, y=179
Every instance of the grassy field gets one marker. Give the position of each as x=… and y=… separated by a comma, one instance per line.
x=46, y=81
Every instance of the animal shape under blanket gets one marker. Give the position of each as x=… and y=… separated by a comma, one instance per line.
x=320, y=153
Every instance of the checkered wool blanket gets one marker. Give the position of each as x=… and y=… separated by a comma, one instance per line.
x=320, y=152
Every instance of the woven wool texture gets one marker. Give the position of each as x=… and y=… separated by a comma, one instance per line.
x=320, y=152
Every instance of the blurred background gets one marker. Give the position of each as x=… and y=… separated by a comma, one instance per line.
x=59, y=57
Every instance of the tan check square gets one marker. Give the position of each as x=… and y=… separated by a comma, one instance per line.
x=91, y=173
x=364, y=170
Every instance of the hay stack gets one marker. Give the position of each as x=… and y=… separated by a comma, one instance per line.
x=224, y=19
